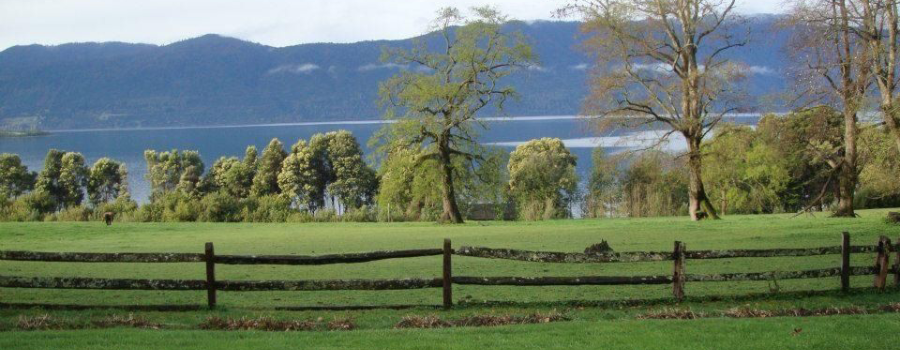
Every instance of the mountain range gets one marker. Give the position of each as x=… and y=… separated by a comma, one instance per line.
x=217, y=80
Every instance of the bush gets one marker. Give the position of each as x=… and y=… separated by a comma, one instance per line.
x=186, y=210
x=74, y=213
x=123, y=207
x=29, y=207
x=271, y=208
x=361, y=214
x=220, y=207
x=325, y=215
x=300, y=217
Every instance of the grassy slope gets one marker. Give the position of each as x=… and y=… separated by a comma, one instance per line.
x=588, y=328
x=842, y=332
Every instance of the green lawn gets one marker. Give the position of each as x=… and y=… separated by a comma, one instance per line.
x=613, y=326
x=839, y=333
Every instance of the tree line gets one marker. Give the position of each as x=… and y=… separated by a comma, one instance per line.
x=671, y=70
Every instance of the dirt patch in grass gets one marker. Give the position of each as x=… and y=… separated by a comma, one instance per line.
x=671, y=314
x=489, y=320
x=47, y=322
x=41, y=323
x=895, y=307
x=270, y=324
x=744, y=312
x=416, y=321
x=749, y=312
x=125, y=321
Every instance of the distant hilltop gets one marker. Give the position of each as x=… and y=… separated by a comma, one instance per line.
x=216, y=80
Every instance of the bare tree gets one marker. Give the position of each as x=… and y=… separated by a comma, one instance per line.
x=662, y=63
x=878, y=27
x=834, y=68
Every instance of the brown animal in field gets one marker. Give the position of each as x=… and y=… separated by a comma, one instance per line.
x=108, y=217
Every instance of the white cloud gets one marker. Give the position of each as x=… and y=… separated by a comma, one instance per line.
x=537, y=68
x=270, y=22
x=373, y=66
x=653, y=67
x=581, y=66
x=761, y=70
x=304, y=68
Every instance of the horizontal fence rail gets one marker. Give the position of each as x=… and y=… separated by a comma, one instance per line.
x=323, y=259
x=563, y=281
x=100, y=283
x=233, y=286
x=318, y=285
x=220, y=259
x=406, y=283
x=881, y=269
x=102, y=257
x=559, y=257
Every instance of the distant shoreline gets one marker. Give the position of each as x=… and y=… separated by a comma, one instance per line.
x=343, y=122
x=29, y=133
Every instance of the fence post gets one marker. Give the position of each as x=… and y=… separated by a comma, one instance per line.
x=882, y=262
x=678, y=271
x=448, y=276
x=210, y=275
x=897, y=265
x=845, y=262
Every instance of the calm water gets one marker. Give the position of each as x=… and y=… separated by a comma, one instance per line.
x=213, y=142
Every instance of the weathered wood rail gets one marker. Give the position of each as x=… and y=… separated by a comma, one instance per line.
x=220, y=259
x=679, y=255
x=559, y=257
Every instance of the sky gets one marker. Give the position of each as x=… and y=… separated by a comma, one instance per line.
x=271, y=22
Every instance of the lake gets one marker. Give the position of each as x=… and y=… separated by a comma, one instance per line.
x=128, y=145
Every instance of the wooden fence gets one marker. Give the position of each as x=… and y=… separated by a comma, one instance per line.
x=678, y=278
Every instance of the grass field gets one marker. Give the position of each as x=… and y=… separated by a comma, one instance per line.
x=614, y=325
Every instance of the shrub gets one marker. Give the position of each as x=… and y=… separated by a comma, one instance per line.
x=325, y=215
x=74, y=213
x=220, y=207
x=271, y=208
x=300, y=217
x=30, y=207
x=186, y=210
x=364, y=213
x=122, y=207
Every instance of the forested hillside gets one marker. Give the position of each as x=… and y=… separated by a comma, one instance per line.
x=216, y=80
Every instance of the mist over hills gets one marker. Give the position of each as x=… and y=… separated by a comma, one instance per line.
x=216, y=80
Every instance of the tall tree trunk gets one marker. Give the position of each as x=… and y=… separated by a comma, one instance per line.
x=451, y=212
x=698, y=201
x=847, y=175
x=890, y=119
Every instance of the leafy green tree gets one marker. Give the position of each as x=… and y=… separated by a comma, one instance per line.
x=654, y=184
x=542, y=179
x=353, y=182
x=48, y=178
x=446, y=88
x=406, y=187
x=15, y=179
x=299, y=178
x=880, y=173
x=746, y=174
x=809, y=142
x=233, y=176
x=269, y=166
x=108, y=180
x=168, y=171
x=72, y=179
x=251, y=157
x=603, y=192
